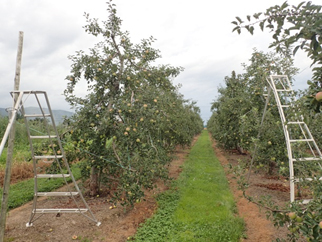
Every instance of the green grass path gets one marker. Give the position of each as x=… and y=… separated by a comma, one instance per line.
x=200, y=205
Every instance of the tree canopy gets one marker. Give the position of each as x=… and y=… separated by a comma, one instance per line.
x=292, y=28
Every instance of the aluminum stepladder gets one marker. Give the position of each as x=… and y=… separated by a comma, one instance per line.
x=56, y=154
x=298, y=137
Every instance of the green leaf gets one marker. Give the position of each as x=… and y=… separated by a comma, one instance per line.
x=236, y=28
x=300, y=35
x=251, y=29
x=234, y=22
x=256, y=15
x=295, y=49
x=285, y=5
x=316, y=46
x=261, y=25
x=239, y=20
x=298, y=6
x=248, y=17
x=108, y=143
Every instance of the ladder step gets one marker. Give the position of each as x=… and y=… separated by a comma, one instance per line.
x=284, y=90
x=48, y=156
x=60, y=210
x=43, y=137
x=52, y=175
x=56, y=194
x=308, y=159
x=36, y=115
x=301, y=140
x=306, y=201
x=307, y=179
x=285, y=106
x=296, y=122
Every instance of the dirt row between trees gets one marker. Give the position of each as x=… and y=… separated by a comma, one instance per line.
x=118, y=224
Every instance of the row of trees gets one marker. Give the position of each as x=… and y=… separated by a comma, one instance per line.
x=236, y=121
x=132, y=115
x=237, y=113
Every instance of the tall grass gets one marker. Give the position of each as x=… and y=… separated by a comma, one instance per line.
x=200, y=205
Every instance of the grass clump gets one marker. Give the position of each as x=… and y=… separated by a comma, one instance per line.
x=200, y=205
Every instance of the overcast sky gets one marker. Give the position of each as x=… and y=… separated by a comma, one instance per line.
x=196, y=35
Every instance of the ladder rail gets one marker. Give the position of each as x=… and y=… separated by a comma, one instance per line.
x=286, y=135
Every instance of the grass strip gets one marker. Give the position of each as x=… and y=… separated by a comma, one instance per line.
x=23, y=192
x=199, y=206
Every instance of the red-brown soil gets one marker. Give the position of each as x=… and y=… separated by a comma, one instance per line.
x=118, y=224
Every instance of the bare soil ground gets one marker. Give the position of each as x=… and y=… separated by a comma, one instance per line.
x=118, y=224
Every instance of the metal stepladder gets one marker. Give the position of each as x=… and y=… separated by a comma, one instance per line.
x=55, y=154
x=302, y=149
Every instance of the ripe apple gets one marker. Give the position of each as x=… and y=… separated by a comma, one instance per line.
x=292, y=215
x=320, y=224
x=318, y=96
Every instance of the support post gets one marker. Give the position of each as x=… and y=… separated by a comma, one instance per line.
x=7, y=177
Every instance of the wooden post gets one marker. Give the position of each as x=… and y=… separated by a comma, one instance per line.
x=6, y=183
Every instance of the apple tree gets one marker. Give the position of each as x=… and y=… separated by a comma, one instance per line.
x=237, y=113
x=125, y=123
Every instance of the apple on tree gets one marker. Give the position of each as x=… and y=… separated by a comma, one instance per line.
x=318, y=96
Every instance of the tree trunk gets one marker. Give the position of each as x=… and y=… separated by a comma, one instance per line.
x=94, y=182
